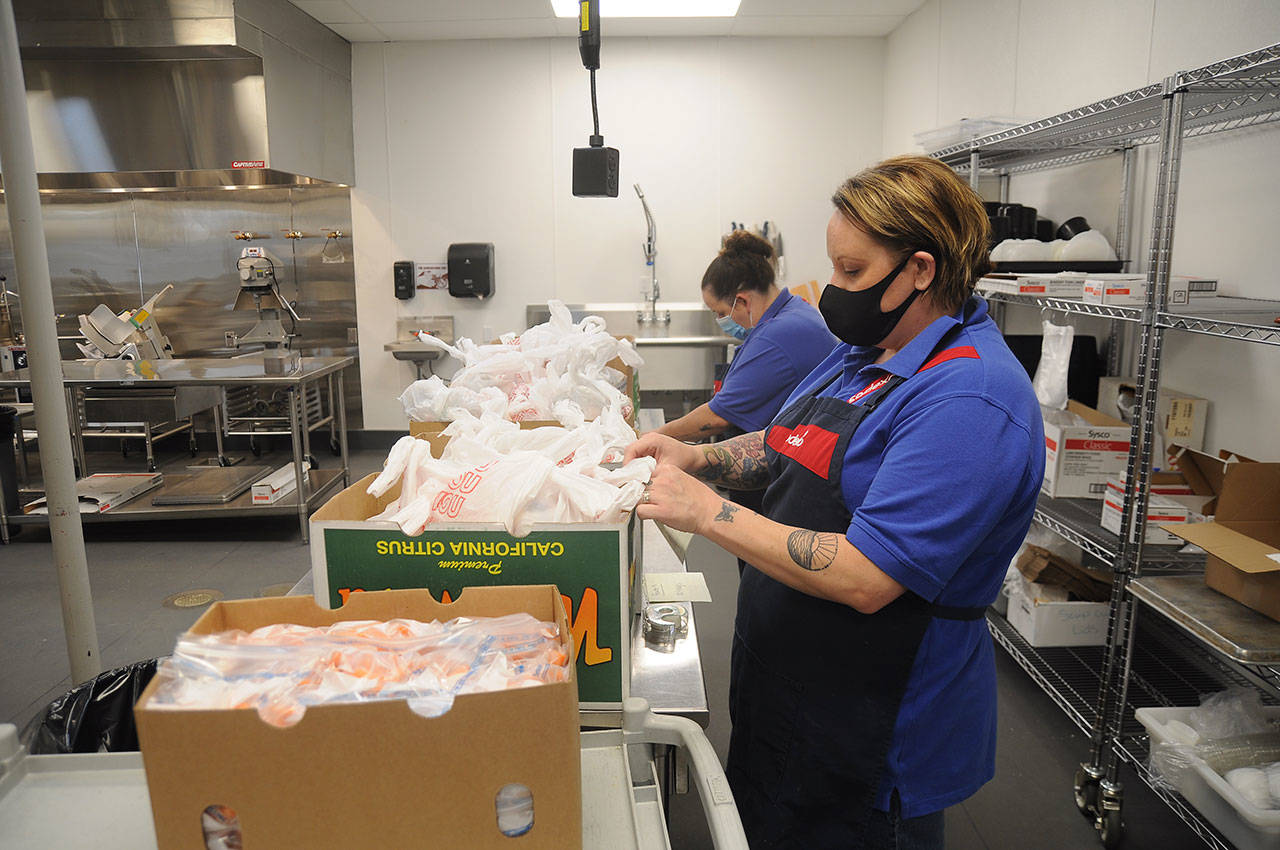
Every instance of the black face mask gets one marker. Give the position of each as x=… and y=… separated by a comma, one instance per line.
x=856, y=317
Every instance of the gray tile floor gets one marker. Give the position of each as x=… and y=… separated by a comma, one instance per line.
x=134, y=567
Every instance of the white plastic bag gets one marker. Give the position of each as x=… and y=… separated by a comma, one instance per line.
x=558, y=369
x=1055, y=357
x=491, y=470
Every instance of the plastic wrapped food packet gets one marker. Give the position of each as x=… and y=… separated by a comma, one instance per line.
x=280, y=670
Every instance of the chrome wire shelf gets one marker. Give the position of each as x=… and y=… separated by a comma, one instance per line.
x=1065, y=305
x=1078, y=522
x=1239, y=92
x=1222, y=326
x=1168, y=670
x=1068, y=675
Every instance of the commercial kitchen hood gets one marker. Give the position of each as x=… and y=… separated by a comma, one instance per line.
x=129, y=95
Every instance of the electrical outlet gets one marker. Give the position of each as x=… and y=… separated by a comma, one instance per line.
x=353, y=336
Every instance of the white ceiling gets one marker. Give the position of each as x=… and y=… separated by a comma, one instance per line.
x=421, y=20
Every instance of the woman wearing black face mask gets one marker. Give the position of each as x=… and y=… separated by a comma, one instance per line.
x=902, y=476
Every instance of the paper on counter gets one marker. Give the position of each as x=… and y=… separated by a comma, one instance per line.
x=676, y=587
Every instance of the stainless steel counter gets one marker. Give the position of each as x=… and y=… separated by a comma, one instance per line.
x=213, y=372
x=193, y=371
x=671, y=681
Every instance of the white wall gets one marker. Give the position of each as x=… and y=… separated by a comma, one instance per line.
x=470, y=141
x=1033, y=58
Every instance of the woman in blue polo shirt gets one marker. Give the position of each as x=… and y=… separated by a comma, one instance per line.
x=783, y=338
x=902, y=476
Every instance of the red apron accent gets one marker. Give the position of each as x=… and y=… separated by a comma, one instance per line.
x=808, y=445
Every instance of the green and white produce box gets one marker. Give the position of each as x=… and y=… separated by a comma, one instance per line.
x=593, y=564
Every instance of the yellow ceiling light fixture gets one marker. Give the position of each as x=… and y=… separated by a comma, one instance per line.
x=653, y=8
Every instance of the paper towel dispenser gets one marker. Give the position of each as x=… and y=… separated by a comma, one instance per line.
x=471, y=269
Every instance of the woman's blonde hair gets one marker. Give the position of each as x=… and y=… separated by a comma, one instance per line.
x=915, y=203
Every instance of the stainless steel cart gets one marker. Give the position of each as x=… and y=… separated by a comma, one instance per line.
x=100, y=801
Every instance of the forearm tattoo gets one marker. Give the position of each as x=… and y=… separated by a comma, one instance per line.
x=726, y=512
x=811, y=550
x=737, y=464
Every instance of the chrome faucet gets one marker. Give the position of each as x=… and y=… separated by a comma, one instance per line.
x=650, y=314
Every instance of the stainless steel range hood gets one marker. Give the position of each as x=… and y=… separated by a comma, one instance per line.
x=179, y=94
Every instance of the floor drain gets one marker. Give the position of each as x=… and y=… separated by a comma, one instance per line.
x=277, y=589
x=192, y=598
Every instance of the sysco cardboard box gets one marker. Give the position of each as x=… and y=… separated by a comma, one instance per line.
x=1080, y=458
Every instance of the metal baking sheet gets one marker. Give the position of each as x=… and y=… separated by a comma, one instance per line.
x=215, y=486
x=1238, y=632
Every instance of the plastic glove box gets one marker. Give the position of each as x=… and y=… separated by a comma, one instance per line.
x=593, y=564
x=371, y=774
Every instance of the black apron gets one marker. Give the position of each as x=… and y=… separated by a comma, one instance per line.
x=815, y=686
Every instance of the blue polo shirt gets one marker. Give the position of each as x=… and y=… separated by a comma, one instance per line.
x=941, y=480
x=784, y=346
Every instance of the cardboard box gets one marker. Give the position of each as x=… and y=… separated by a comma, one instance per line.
x=594, y=565
x=275, y=486
x=1161, y=511
x=1061, y=285
x=370, y=774
x=1243, y=539
x=1205, y=474
x=1042, y=568
x=1080, y=458
x=1183, y=288
x=1059, y=623
x=1126, y=290
x=1180, y=416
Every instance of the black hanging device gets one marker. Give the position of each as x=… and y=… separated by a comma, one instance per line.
x=595, y=168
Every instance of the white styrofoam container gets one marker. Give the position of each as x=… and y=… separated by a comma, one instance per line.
x=1244, y=824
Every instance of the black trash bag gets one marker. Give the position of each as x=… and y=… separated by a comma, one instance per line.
x=93, y=717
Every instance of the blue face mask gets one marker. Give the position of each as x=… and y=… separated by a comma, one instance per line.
x=732, y=328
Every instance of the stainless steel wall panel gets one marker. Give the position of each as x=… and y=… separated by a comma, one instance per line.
x=120, y=249
x=93, y=257
x=326, y=289
x=186, y=238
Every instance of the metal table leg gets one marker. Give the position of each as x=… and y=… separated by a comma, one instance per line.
x=333, y=415
x=216, y=412
x=301, y=476
x=306, y=424
x=342, y=431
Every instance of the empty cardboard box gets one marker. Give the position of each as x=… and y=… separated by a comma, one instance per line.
x=1243, y=539
x=371, y=774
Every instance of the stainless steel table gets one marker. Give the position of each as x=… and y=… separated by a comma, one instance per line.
x=312, y=485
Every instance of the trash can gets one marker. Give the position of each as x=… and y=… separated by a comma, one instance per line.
x=93, y=717
x=8, y=469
